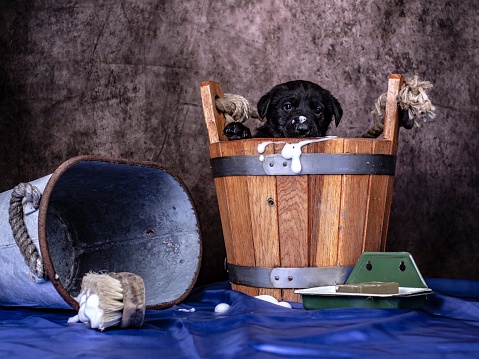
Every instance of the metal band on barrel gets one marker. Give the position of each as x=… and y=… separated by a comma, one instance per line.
x=311, y=164
x=286, y=278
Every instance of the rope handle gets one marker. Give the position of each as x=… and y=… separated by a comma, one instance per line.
x=236, y=108
x=20, y=233
x=413, y=101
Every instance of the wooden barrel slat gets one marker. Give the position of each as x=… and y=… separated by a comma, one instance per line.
x=378, y=195
x=293, y=203
x=234, y=206
x=215, y=121
x=325, y=193
x=238, y=207
x=354, y=201
x=263, y=206
x=222, y=197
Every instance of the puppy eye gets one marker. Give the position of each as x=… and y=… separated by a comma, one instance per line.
x=318, y=110
x=287, y=106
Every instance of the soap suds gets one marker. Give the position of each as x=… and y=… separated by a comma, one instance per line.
x=221, y=308
x=191, y=310
x=292, y=151
x=273, y=300
x=262, y=146
x=90, y=312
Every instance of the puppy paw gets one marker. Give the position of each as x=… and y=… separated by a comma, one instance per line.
x=236, y=131
x=404, y=119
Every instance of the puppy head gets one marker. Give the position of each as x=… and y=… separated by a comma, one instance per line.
x=299, y=109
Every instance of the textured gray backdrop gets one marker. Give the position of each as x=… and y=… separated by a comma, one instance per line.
x=121, y=79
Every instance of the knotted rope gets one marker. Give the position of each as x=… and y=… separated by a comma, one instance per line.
x=22, y=238
x=236, y=108
x=412, y=99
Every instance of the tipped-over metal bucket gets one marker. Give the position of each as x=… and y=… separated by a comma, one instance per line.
x=98, y=214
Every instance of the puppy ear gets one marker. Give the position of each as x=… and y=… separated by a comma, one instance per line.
x=263, y=104
x=334, y=107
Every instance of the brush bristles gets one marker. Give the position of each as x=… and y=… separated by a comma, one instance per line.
x=110, y=320
x=110, y=293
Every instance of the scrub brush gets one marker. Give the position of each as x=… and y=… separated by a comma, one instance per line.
x=111, y=299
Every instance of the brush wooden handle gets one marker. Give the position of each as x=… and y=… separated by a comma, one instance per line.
x=134, y=303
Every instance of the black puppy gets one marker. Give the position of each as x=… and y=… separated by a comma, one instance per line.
x=293, y=109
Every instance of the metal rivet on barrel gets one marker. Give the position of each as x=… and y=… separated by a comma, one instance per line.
x=270, y=202
x=271, y=164
x=276, y=277
x=290, y=278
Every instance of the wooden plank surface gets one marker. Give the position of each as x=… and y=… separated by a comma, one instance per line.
x=391, y=119
x=221, y=194
x=377, y=208
x=354, y=203
x=293, y=219
x=240, y=239
x=237, y=195
x=215, y=121
x=388, y=147
x=391, y=133
x=325, y=205
x=264, y=216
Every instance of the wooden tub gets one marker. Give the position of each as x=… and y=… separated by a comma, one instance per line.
x=285, y=231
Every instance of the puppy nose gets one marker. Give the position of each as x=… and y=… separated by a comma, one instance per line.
x=302, y=129
x=302, y=119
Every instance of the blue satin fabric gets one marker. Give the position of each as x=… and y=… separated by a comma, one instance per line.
x=447, y=327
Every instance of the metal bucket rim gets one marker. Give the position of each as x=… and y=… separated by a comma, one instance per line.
x=42, y=215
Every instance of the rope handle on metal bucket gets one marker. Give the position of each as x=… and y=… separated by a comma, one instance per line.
x=20, y=233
